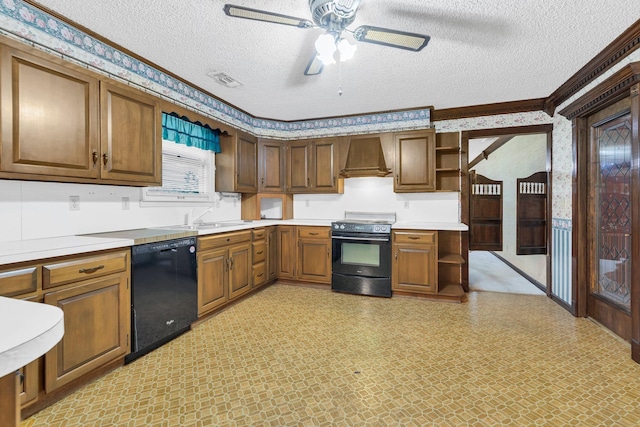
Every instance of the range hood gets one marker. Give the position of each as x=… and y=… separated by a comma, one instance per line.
x=365, y=158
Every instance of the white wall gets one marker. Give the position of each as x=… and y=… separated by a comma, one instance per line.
x=31, y=209
x=376, y=195
x=519, y=158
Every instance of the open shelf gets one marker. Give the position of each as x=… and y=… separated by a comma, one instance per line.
x=447, y=152
x=455, y=259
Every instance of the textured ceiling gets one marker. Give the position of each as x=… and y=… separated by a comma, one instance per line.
x=480, y=51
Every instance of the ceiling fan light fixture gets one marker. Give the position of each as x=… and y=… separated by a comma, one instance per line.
x=346, y=49
x=326, y=47
x=393, y=38
x=260, y=15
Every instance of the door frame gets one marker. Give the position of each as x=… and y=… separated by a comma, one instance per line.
x=465, y=200
x=624, y=83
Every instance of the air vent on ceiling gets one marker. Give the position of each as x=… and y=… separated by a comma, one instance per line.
x=223, y=78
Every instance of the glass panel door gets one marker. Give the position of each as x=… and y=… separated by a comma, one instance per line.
x=612, y=216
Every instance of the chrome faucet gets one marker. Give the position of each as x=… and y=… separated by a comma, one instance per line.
x=190, y=220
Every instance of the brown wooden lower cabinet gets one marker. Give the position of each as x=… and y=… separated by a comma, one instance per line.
x=30, y=382
x=415, y=262
x=313, y=254
x=273, y=256
x=286, y=249
x=428, y=263
x=213, y=271
x=305, y=253
x=224, y=268
x=96, y=330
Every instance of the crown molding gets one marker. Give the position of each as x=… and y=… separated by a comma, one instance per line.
x=488, y=109
x=611, y=90
x=621, y=47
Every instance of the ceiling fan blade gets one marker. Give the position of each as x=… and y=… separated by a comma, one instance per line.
x=391, y=38
x=261, y=15
x=314, y=67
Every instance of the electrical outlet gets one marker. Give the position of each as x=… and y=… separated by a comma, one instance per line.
x=406, y=204
x=125, y=203
x=74, y=203
x=306, y=203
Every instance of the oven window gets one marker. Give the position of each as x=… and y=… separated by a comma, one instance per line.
x=361, y=254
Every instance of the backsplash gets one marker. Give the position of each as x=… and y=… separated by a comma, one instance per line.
x=376, y=195
x=31, y=210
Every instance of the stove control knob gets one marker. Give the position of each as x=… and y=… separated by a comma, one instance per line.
x=376, y=228
x=384, y=228
x=336, y=226
x=342, y=227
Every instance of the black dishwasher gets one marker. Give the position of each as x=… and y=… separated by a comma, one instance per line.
x=164, y=293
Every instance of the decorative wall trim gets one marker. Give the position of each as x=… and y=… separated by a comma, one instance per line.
x=23, y=21
x=488, y=109
x=622, y=46
x=611, y=90
x=561, y=263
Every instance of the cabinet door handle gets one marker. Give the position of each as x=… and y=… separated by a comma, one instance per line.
x=313, y=234
x=397, y=179
x=94, y=157
x=414, y=238
x=105, y=158
x=90, y=270
x=260, y=275
x=396, y=255
x=231, y=260
x=262, y=180
x=308, y=181
x=259, y=253
x=328, y=253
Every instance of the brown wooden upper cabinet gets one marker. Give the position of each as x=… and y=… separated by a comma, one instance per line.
x=415, y=167
x=49, y=117
x=63, y=123
x=271, y=166
x=131, y=135
x=237, y=164
x=312, y=166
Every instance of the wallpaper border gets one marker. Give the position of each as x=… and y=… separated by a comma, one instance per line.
x=30, y=25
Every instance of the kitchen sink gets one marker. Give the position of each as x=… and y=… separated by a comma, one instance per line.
x=204, y=225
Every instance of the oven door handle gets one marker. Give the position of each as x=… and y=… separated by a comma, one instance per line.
x=372, y=239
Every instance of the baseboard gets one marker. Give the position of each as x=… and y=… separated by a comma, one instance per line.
x=522, y=273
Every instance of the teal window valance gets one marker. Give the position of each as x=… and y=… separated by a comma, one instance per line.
x=182, y=131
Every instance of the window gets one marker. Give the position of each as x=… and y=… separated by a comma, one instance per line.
x=187, y=175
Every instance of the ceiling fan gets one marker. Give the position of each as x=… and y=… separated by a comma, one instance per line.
x=334, y=16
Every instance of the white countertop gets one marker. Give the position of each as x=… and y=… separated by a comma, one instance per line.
x=35, y=249
x=27, y=331
x=440, y=226
x=29, y=250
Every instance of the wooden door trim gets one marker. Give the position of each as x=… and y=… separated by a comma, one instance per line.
x=625, y=82
x=466, y=194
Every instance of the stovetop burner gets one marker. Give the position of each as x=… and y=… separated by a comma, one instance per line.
x=364, y=222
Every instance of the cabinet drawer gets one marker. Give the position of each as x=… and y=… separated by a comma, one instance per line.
x=223, y=240
x=258, y=234
x=19, y=281
x=414, y=237
x=259, y=274
x=78, y=269
x=314, y=232
x=259, y=251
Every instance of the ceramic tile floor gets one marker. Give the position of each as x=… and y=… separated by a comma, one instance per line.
x=297, y=356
